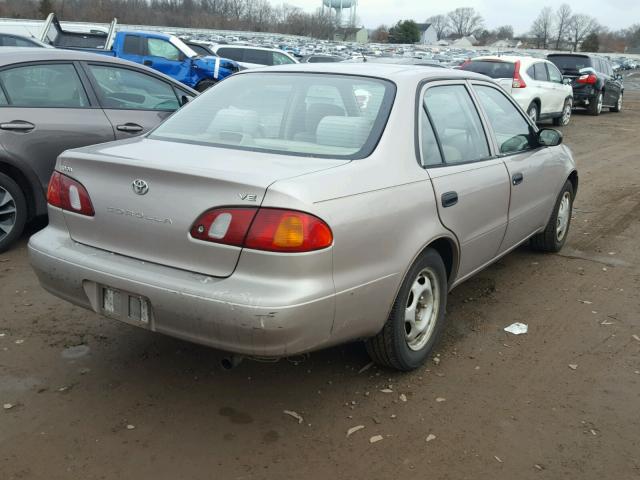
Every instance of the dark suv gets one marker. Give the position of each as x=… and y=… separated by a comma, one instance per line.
x=595, y=84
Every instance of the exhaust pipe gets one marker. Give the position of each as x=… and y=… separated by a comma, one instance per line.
x=231, y=362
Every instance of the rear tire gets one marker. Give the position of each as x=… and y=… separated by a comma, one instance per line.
x=205, y=85
x=564, y=119
x=417, y=316
x=618, y=107
x=554, y=236
x=533, y=112
x=13, y=212
x=595, y=107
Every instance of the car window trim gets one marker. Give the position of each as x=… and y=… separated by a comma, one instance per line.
x=94, y=84
x=498, y=153
x=73, y=63
x=421, y=91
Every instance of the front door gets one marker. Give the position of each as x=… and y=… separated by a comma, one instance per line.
x=134, y=101
x=45, y=111
x=532, y=175
x=471, y=187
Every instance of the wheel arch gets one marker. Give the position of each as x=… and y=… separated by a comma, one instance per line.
x=573, y=178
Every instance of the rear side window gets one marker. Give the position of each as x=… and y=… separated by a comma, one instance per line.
x=319, y=115
x=44, y=86
x=493, y=69
x=512, y=131
x=431, y=155
x=236, y=54
x=261, y=57
x=457, y=124
x=133, y=45
x=9, y=41
x=540, y=72
x=121, y=88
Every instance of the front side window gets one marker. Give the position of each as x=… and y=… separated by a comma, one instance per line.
x=281, y=59
x=554, y=73
x=512, y=131
x=314, y=115
x=44, y=86
x=161, y=48
x=457, y=124
x=121, y=88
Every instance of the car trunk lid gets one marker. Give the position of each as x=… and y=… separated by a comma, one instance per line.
x=183, y=181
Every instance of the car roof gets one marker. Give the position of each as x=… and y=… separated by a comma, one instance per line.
x=224, y=45
x=379, y=70
x=509, y=59
x=15, y=55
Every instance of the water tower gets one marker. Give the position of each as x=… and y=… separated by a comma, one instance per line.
x=339, y=8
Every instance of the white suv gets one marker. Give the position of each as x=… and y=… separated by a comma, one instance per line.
x=253, y=57
x=536, y=84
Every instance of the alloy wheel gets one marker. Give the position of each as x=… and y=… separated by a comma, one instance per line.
x=8, y=213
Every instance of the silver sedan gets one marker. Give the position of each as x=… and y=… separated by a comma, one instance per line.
x=297, y=207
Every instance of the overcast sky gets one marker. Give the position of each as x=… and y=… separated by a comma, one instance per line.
x=615, y=14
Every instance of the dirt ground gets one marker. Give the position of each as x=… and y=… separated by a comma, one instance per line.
x=97, y=399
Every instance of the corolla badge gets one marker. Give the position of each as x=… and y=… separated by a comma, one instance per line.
x=140, y=187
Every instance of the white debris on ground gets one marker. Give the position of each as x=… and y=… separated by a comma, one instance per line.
x=295, y=415
x=376, y=438
x=517, y=328
x=353, y=430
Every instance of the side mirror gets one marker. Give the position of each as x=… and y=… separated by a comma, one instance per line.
x=618, y=76
x=184, y=99
x=566, y=80
x=549, y=137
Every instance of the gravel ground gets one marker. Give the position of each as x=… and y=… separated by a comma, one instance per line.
x=95, y=399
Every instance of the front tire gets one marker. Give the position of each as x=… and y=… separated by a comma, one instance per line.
x=13, y=212
x=205, y=85
x=618, y=107
x=554, y=236
x=417, y=316
x=595, y=107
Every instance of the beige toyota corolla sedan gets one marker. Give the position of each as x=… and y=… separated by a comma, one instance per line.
x=278, y=213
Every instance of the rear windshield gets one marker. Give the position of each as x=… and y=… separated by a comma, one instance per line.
x=570, y=63
x=493, y=69
x=332, y=116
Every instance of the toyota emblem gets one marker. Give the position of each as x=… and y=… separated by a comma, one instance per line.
x=140, y=187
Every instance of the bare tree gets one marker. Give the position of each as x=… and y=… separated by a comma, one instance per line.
x=563, y=15
x=579, y=26
x=380, y=34
x=465, y=21
x=542, y=27
x=440, y=24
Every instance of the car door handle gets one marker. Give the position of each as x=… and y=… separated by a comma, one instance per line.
x=17, y=125
x=130, y=128
x=148, y=63
x=517, y=178
x=449, y=199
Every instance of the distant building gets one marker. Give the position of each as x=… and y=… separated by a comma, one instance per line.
x=351, y=34
x=506, y=44
x=465, y=42
x=428, y=35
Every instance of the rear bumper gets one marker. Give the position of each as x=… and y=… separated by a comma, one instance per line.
x=583, y=97
x=245, y=314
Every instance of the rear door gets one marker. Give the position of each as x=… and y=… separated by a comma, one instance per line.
x=611, y=85
x=135, y=101
x=46, y=109
x=532, y=171
x=561, y=90
x=543, y=88
x=471, y=185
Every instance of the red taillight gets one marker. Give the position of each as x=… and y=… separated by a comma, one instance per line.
x=66, y=193
x=589, y=79
x=270, y=229
x=224, y=225
x=518, y=81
